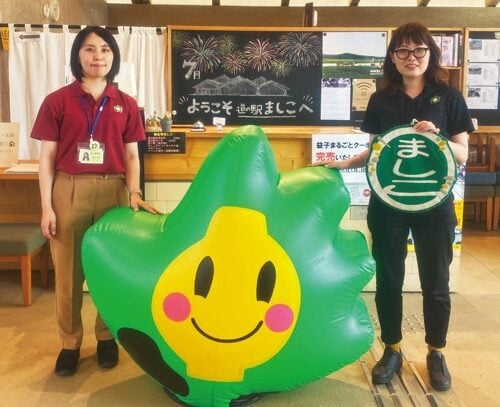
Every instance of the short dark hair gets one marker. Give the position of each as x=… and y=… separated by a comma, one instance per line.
x=419, y=34
x=76, y=66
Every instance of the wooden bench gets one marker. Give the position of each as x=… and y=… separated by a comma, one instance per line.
x=20, y=243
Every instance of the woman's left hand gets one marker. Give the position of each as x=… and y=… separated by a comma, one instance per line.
x=425, y=126
x=136, y=203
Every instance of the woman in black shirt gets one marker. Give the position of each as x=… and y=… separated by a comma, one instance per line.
x=414, y=88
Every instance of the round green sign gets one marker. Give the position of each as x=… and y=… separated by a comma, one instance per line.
x=411, y=171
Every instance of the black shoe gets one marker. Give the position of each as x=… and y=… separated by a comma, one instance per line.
x=67, y=362
x=438, y=371
x=107, y=353
x=241, y=401
x=385, y=368
x=172, y=395
x=245, y=400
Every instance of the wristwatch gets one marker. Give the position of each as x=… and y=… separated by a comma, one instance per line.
x=134, y=191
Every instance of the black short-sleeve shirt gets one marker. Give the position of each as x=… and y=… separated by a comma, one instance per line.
x=442, y=105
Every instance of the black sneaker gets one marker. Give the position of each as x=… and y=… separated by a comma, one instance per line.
x=385, y=368
x=439, y=375
x=67, y=362
x=107, y=353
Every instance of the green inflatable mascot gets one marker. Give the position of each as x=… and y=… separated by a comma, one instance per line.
x=249, y=286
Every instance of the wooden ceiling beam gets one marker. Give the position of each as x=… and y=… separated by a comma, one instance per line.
x=353, y=3
x=309, y=15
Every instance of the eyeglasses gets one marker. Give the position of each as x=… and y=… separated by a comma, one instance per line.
x=404, y=53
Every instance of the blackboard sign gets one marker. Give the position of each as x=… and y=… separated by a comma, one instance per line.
x=271, y=77
x=168, y=143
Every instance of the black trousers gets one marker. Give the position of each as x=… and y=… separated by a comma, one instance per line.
x=433, y=235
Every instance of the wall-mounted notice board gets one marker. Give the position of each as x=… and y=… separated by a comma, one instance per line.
x=305, y=76
x=483, y=76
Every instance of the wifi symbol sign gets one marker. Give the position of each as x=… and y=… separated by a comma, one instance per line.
x=364, y=88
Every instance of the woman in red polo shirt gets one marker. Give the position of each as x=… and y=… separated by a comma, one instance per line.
x=89, y=163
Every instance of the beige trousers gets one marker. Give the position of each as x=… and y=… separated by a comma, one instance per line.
x=78, y=202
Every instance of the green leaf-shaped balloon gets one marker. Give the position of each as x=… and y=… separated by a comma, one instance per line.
x=249, y=286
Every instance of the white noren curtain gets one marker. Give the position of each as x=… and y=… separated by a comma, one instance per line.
x=39, y=64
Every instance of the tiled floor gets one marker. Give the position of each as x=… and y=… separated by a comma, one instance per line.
x=29, y=345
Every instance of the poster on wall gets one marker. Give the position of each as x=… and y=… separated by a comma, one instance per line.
x=362, y=89
x=484, y=50
x=482, y=97
x=325, y=147
x=486, y=74
x=483, y=76
x=351, y=62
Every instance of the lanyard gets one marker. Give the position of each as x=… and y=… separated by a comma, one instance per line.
x=92, y=126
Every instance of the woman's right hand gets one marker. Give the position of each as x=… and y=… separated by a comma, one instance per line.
x=48, y=223
x=339, y=165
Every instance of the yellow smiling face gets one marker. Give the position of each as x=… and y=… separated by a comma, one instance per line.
x=230, y=301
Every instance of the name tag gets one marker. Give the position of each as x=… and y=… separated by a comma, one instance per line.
x=91, y=153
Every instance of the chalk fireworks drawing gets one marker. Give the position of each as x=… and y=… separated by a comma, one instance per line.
x=281, y=68
x=204, y=52
x=227, y=43
x=280, y=56
x=303, y=49
x=178, y=40
x=260, y=54
x=234, y=63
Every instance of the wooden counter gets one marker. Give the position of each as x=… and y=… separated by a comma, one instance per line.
x=291, y=146
x=20, y=194
x=17, y=177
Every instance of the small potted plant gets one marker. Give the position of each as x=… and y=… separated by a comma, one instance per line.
x=166, y=121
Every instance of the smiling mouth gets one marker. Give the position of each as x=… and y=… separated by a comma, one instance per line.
x=232, y=340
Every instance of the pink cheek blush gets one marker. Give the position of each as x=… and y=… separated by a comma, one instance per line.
x=279, y=318
x=176, y=307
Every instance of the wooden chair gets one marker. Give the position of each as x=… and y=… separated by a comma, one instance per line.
x=20, y=243
x=480, y=177
x=482, y=153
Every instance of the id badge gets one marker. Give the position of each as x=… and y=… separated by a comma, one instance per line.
x=91, y=153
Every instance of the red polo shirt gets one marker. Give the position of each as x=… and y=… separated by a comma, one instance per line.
x=64, y=117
